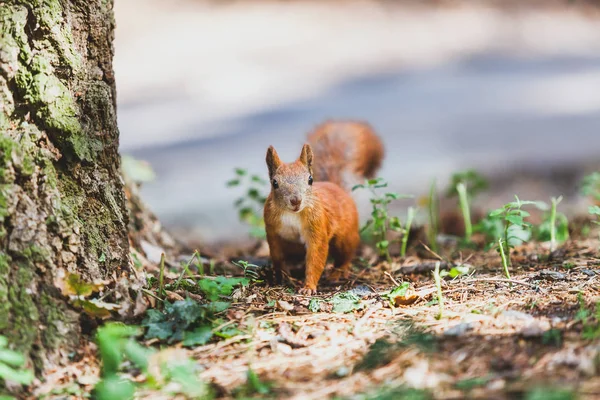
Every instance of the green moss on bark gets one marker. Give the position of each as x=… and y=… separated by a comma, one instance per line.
x=5, y=306
x=61, y=198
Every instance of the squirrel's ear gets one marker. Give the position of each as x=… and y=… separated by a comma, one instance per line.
x=306, y=156
x=273, y=161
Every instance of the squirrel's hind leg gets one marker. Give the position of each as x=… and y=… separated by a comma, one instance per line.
x=343, y=252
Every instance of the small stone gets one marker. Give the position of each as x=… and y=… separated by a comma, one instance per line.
x=534, y=329
x=551, y=275
x=458, y=330
x=517, y=315
x=361, y=291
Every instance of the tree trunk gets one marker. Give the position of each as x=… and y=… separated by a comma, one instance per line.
x=62, y=204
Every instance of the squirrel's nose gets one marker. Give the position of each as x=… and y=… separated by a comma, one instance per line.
x=295, y=201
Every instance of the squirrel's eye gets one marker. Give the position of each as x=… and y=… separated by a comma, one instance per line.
x=275, y=184
x=310, y=180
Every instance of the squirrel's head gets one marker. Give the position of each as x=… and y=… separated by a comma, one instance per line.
x=291, y=184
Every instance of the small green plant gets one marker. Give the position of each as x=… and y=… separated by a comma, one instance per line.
x=250, y=205
x=554, y=226
x=251, y=271
x=552, y=337
x=12, y=367
x=186, y=320
x=217, y=288
x=381, y=221
x=456, y=271
x=466, y=185
x=551, y=393
x=590, y=321
x=595, y=211
x=590, y=186
x=117, y=344
x=411, y=213
x=506, y=228
x=253, y=386
x=433, y=210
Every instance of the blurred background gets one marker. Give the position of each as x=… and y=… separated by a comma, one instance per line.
x=511, y=89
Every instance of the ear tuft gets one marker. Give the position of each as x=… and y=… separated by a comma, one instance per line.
x=306, y=157
x=273, y=161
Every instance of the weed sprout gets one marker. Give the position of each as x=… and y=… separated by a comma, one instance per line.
x=433, y=208
x=466, y=185
x=251, y=204
x=506, y=227
x=381, y=221
x=555, y=225
x=590, y=186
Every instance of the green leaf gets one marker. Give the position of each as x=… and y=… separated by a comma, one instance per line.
x=455, y=271
x=346, y=302
x=518, y=235
x=102, y=257
x=233, y=182
x=591, y=185
x=77, y=286
x=258, y=179
x=216, y=307
x=514, y=219
x=185, y=373
x=254, y=194
x=114, y=388
x=97, y=308
x=241, y=172
x=314, y=305
x=228, y=332
x=367, y=225
x=594, y=210
x=220, y=286
x=110, y=338
x=399, y=291
x=200, y=336
x=3, y=341
x=383, y=245
x=256, y=384
x=358, y=187
x=395, y=224
x=186, y=310
x=12, y=358
x=23, y=377
x=496, y=213
x=137, y=354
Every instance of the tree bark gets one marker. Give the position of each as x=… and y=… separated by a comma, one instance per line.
x=62, y=203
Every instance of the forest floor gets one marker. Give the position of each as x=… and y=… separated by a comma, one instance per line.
x=535, y=336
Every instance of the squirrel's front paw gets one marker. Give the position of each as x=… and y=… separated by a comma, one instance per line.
x=307, y=291
x=338, y=275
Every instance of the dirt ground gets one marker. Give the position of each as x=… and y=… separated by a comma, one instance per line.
x=533, y=337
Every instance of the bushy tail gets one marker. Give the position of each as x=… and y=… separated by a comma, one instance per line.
x=345, y=152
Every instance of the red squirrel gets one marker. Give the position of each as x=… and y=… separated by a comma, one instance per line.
x=309, y=213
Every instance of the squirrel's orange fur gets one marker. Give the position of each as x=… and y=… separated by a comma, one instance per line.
x=311, y=220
